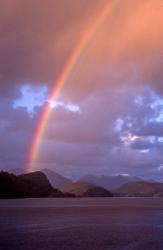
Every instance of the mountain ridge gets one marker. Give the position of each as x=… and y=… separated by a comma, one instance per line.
x=85, y=189
x=109, y=182
x=56, y=180
x=140, y=189
x=30, y=185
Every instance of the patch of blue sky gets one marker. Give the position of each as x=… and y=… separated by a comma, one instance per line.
x=31, y=97
x=160, y=139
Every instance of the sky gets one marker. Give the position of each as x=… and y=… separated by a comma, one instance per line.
x=108, y=117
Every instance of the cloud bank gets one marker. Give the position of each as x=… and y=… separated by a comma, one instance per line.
x=112, y=103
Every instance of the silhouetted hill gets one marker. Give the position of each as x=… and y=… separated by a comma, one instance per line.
x=56, y=180
x=39, y=184
x=33, y=184
x=86, y=189
x=109, y=182
x=140, y=189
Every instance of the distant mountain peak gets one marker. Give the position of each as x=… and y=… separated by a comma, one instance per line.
x=109, y=182
x=56, y=180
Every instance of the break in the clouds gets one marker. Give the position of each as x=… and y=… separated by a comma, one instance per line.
x=112, y=103
x=31, y=97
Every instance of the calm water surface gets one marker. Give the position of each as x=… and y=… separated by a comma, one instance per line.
x=81, y=224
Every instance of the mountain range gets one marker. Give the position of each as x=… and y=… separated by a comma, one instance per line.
x=47, y=183
x=56, y=180
x=36, y=184
x=140, y=189
x=85, y=189
x=110, y=182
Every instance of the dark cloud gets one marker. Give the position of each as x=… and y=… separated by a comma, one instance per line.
x=16, y=132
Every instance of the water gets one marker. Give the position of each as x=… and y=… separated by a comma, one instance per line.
x=81, y=224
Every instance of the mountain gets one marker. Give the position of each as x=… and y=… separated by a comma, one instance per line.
x=85, y=189
x=31, y=185
x=109, y=182
x=56, y=180
x=140, y=189
x=39, y=184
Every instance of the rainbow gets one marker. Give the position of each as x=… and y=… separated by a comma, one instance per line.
x=65, y=73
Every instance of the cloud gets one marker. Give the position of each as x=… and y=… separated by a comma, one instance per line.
x=37, y=39
x=89, y=140
x=16, y=132
x=114, y=91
